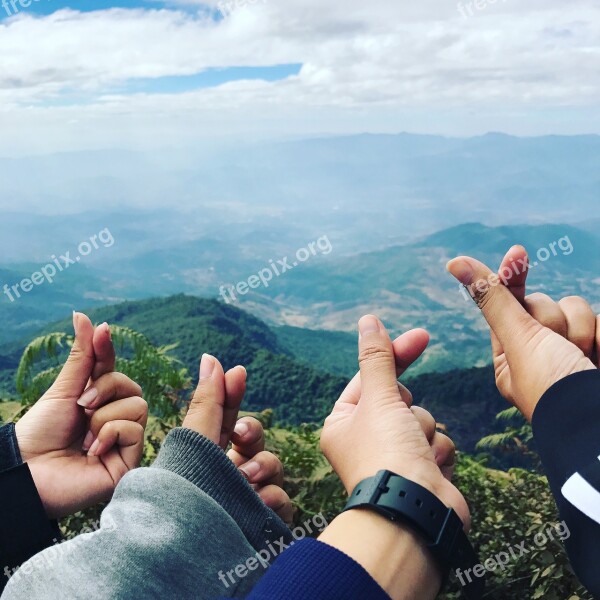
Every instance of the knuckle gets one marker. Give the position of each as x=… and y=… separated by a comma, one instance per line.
x=275, y=461
x=109, y=428
x=373, y=353
x=574, y=303
x=538, y=297
x=141, y=403
x=141, y=407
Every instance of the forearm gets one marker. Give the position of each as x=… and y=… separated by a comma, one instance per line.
x=392, y=554
x=163, y=534
x=159, y=537
x=565, y=425
x=25, y=529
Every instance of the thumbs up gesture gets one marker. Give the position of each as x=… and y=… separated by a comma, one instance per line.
x=87, y=430
x=534, y=341
x=213, y=413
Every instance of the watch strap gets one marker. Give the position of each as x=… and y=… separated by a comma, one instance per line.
x=400, y=499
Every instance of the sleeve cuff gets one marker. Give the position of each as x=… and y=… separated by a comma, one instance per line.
x=10, y=456
x=306, y=571
x=204, y=464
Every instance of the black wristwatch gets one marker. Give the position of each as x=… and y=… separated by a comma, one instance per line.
x=400, y=499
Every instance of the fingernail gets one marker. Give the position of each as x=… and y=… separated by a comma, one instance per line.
x=462, y=270
x=106, y=327
x=88, y=397
x=241, y=428
x=250, y=470
x=207, y=366
x=92, y=451
x=367, y=325
x=87, y=442
x=75, y=322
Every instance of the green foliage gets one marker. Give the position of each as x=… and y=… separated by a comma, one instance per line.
x=161, y=376
x=46, y=348
x=516, y=438
x=508, y=509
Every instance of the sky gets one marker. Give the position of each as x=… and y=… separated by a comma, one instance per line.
x=137, y=74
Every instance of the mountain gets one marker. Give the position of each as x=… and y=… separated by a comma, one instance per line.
x=370, y=183
x=406, y=285
x=298, y=391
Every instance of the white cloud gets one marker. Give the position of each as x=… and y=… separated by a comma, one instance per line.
x=381, y=65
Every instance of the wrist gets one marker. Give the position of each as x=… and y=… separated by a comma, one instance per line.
x=395, y=556
x=21, y=440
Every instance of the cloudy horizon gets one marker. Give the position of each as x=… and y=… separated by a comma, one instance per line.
x=147, y=74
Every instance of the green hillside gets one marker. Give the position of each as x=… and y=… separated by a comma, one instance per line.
x=297, y=389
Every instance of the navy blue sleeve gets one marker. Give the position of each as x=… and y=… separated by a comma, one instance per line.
x=9, y=448
x=25, y=529
x=566, y=427
x=312, y=569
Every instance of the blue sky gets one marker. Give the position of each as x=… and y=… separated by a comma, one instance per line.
x=212, y=76
x=46, y=7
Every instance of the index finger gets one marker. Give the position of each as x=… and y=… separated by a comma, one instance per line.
x=104, y=351
x=503, y=312
x=513, y=274
x=513, y=271
x=407, y=349
x=235, y=388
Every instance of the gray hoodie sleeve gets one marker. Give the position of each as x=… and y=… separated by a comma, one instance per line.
x=190, y=526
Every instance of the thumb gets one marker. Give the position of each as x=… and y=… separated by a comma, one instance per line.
x=205, y=414
x=377, y=362
x=505, y=315
x=74, y=376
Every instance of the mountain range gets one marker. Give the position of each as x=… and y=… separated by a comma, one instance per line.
x=318, y=302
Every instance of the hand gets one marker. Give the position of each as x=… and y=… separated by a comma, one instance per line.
x=529, y=357
x=56, y=433
x=571, y=317
x=262, y=469
x=376, y=428
x=213, y=413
